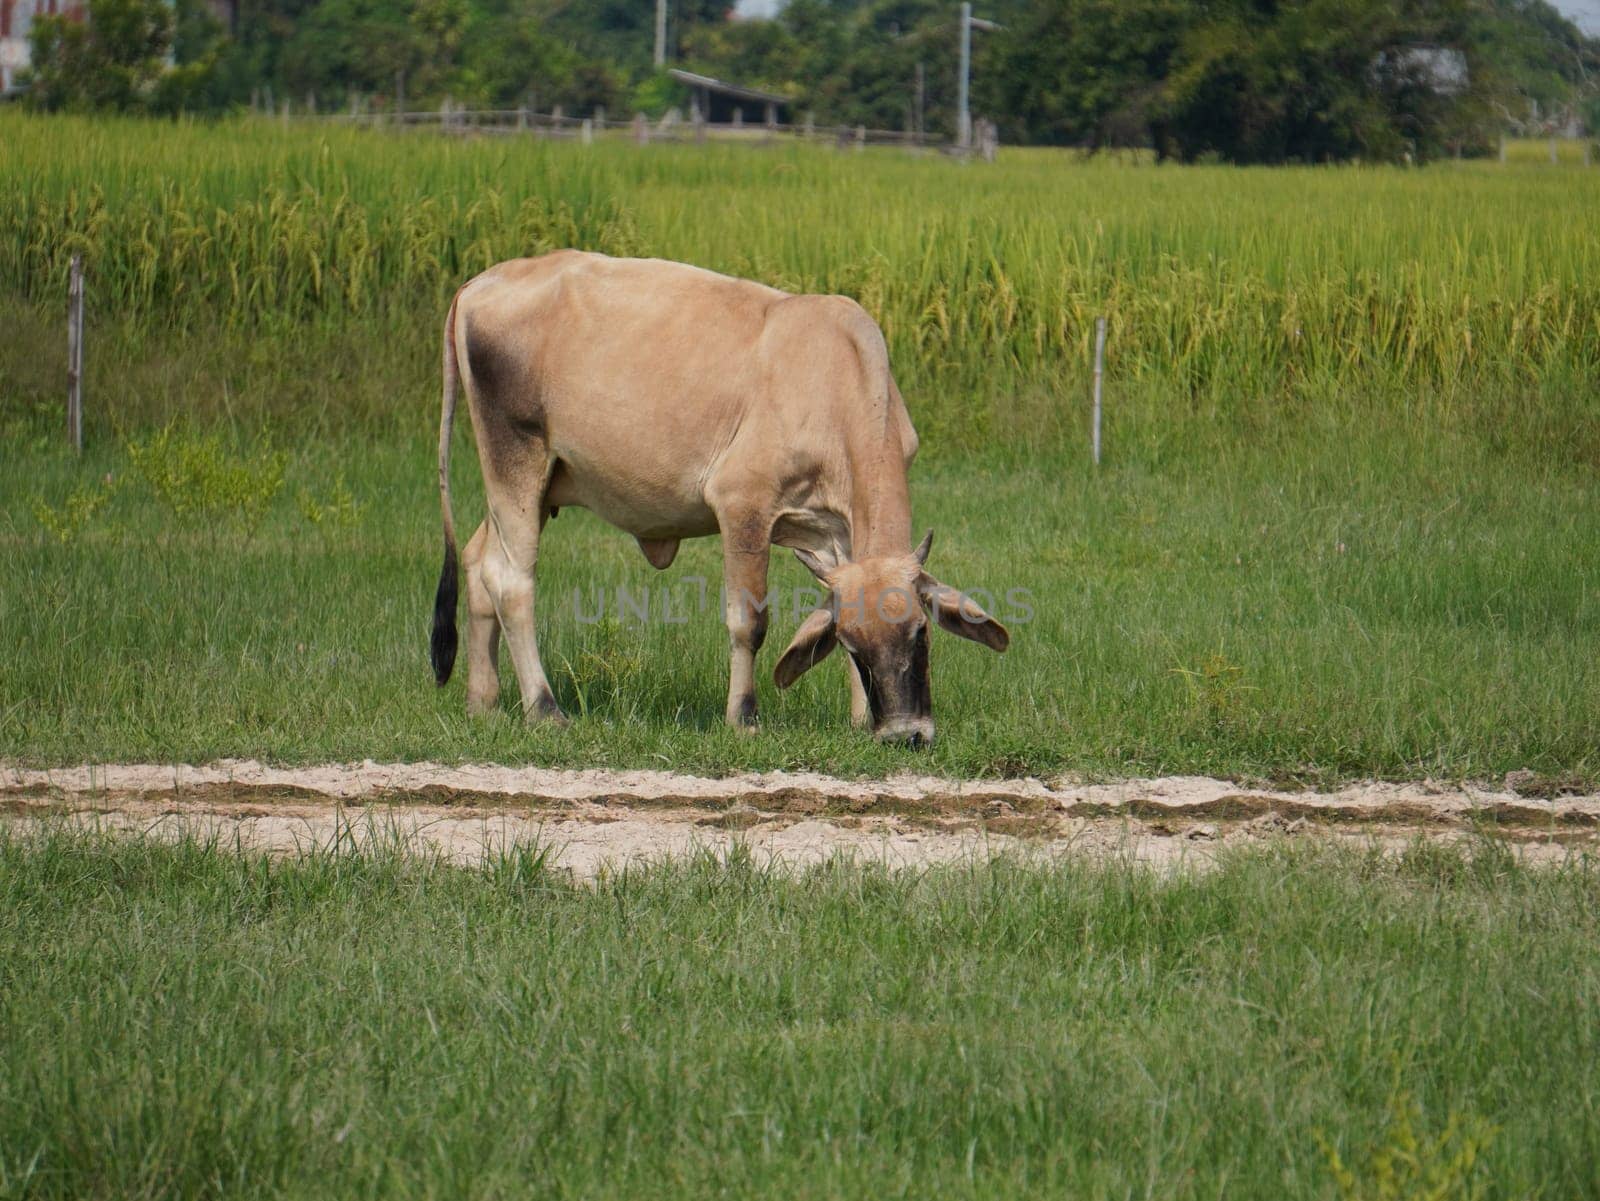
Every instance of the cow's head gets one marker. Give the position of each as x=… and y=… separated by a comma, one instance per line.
x=879, y=609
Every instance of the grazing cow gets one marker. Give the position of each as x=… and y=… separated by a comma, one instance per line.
x=677, y=403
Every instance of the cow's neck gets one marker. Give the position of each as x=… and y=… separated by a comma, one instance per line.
x=880, y=502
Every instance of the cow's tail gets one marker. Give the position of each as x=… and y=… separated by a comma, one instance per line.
x=443, y=648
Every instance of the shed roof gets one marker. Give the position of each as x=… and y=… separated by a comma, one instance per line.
x=728, y=89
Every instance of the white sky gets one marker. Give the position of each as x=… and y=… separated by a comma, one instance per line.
x=1586, y=13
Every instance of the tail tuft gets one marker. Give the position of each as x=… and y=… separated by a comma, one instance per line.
x=443, y=649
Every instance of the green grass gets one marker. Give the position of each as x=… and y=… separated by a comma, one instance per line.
x=1328, y=607
x=1347, y=523
x=176, y=1022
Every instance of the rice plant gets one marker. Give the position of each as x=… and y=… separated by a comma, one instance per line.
x=1223, y=288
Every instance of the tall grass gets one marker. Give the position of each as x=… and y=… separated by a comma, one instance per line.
x=179, y=1023
x=1426, y=291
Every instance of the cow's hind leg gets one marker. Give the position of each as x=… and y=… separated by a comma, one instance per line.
x=516, y=481
x=483, y=629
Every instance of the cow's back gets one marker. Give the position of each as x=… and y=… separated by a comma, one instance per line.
x=638, y=375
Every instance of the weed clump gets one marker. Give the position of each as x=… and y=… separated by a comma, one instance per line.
x=194, y=474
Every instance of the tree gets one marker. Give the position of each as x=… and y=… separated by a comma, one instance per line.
x=114, y=61
x=1086, y=72
x=1254, y=81
x=1319, y=80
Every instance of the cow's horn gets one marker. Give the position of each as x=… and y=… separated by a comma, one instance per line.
x=923, y=547
x=811, y=562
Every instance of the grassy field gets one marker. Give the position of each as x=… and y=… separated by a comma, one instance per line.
x=1347, y=523
x=1343, y=610
x=175, y=1022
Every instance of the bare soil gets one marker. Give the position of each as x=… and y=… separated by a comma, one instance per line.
x=594, y=821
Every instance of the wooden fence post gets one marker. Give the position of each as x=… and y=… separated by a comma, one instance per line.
x=641, y=129
x=75, y=354
x=861, y=137
x=1099, y=369
x=586, y=131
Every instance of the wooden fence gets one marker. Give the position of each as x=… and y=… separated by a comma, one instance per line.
x=640, y=130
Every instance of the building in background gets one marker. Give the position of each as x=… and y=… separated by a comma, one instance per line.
x=16, y=18
x=722, y=103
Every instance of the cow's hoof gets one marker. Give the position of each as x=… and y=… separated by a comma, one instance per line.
x=481, y=706
x=546, y=713
x=742, y=715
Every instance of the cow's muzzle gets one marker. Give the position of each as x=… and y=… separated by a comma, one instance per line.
x=914, y=732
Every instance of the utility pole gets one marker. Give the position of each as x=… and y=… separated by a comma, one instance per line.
x=921, y=104
x=963, y=117
x=661, y=34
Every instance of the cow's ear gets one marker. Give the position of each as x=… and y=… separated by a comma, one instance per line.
x=812, y=642
x=960, y=614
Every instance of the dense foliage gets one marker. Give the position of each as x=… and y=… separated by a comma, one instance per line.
x=118, y=59
x=1242, y=80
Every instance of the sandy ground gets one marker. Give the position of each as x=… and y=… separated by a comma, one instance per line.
x=594, y=821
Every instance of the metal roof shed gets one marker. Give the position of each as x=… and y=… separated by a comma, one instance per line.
x=727, y=103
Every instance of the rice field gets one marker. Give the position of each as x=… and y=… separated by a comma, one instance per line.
x=1228, y=291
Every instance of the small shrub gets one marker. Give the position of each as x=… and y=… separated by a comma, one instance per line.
x=195, y=474
x=1217, y=691
x=609, y=666
x=1406, y=1164
x=75, y=513
x=340, y=510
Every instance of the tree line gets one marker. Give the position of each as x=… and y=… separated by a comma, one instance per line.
x=1248, y=81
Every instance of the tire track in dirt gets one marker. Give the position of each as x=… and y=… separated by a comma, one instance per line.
x=596, y=820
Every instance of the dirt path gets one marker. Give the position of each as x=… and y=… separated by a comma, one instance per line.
x=594, y=819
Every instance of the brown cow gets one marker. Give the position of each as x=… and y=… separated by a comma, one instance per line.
x=676, y=403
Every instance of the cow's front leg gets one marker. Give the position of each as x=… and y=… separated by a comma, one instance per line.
x=744, y=575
